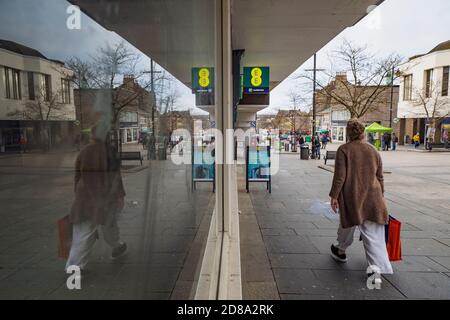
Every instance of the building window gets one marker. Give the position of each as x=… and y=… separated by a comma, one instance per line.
x=407, y=87
x=65, y=91
x=428, y=83
x=445, y=81
x=12, y=84
x=46, y=87
x=129, y=117
x=31, y=93
x=342, y=115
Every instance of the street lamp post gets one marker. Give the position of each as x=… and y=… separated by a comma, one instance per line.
x=314, y=70
x=152, y=72
x=152, y=88
x=392, y=96
x=81, y=79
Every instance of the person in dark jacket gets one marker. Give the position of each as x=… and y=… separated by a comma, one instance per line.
x=387, y=141
x=394, y=142
x=324, y=140
x=301, y=140
x=317, y=146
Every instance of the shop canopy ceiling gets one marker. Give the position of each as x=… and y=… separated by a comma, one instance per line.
x=376, y=127
x=178, y=34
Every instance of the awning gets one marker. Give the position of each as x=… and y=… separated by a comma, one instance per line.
x=376, y=127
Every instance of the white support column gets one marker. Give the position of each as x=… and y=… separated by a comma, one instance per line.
x=227, y=112
x=230, y=275
x=220, y=276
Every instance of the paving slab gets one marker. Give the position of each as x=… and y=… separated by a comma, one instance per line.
x=421, y=285
x=302, y=261
x=330, y=282
x=261, y=291
x=289, y=244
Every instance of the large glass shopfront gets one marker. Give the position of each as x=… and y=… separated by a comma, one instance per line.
x=136, y=231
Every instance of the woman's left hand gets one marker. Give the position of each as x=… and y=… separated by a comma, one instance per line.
x=334, y=205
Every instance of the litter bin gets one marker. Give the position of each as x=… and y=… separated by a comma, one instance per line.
x=304, y=152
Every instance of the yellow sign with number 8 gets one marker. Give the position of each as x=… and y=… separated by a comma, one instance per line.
x=256, y=77
x=203, y=77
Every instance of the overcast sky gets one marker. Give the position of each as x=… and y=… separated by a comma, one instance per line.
x=406, y=27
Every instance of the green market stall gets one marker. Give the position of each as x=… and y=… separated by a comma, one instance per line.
x=376, y=128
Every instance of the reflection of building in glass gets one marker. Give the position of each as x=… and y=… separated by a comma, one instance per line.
x=36, y=99
x=135, y=105
x=179, y=120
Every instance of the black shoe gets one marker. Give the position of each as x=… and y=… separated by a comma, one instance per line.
x=336, y=256
x=119, y=251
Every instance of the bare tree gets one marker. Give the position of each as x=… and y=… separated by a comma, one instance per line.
x=365, y=88
x=110, y=69
x=110, y=65
x=296, y=100
x=117, y=69
x=432, y=104
x=81, y=73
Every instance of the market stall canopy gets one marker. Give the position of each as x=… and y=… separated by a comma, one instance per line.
x=376, y=127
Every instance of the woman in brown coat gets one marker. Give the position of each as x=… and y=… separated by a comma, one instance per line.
x=99, y=197
x=358, y=193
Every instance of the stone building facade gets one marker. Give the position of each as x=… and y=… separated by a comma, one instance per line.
x=332, y=115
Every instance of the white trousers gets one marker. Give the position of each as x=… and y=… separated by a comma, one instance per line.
x=84, y=237
x=373, y=237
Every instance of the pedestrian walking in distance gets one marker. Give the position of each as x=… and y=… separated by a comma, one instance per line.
x=99, y=198
x=416, y=140
x=387, y=141
x=324, y=141
x=394, y=142
x=317, y=146
x=357, y=193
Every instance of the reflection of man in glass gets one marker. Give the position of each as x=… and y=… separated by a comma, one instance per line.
x=99, y=197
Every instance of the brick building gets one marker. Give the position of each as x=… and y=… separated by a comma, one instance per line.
x=333, y=116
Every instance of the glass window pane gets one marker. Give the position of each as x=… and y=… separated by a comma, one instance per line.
x=93, y=181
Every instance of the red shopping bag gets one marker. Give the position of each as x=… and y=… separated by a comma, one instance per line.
x=64, y=237
x=393, y=242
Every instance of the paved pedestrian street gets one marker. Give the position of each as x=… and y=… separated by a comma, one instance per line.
x=286, y=235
